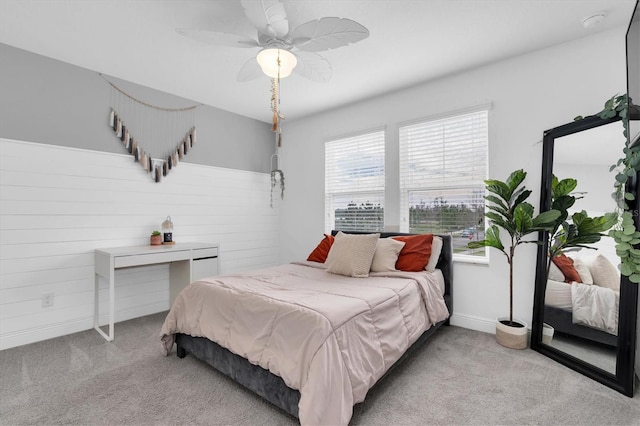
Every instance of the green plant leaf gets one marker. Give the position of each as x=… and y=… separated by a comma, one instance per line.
x=492, y=239
x=499, y=219
x=499, y=188
x=522, y=218
x=523, y=195
x=623, y=247
x=498, y=210
x=625, y=238
x=546, y=219
x=497, y=201
x=515, y=179
x=563, y=187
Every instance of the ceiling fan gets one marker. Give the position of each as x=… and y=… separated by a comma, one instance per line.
x=283, y=50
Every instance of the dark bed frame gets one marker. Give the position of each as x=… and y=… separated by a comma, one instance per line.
x=562, y=321
x=272, y=387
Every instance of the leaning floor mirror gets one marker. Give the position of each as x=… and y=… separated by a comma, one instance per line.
x=584, y=310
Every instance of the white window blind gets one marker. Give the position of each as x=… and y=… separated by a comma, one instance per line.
x=443, y=165
x=354, y=183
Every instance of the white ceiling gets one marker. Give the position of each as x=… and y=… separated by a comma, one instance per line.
x=410, y=42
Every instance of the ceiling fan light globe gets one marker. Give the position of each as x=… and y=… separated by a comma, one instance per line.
x=268, y=61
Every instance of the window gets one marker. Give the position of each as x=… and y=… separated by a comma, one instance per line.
x=354, y=183
x=443, y=165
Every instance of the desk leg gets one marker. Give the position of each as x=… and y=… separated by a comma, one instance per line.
x=96, y=304
x=96, y=311
x=179, y=278
x=112, y=304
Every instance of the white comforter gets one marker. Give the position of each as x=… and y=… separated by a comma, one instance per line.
x=595, y=307
x=329, y=336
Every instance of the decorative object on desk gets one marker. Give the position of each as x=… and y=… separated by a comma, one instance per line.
x=156, y=127
x=510, y=211
x=167, y=231
x=156, y=238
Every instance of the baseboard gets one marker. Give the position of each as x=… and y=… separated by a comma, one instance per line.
x=32, y=335
x=136, y=312
x=474, y=323
x=24, y=337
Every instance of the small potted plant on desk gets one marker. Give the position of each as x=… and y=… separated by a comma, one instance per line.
x=510, y=211
x=156, y=238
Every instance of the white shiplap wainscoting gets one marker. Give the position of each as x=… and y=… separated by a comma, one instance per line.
x=58, y=204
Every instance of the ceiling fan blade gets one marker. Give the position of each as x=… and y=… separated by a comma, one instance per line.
x=249, y=71
x=327, y=33
x=313, y=66
x=218, y=38
x=268, y=16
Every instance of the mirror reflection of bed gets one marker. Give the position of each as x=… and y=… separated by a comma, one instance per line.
x=581, y=304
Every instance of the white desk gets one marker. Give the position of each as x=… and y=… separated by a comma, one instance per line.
x=189, y=262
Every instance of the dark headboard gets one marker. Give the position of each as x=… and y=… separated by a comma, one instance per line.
x=445, y=263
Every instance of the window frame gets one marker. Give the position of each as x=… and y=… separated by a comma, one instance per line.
x=376, y=193
x=406, y=190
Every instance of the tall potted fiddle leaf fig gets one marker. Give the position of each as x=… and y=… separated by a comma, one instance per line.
x=509, y=211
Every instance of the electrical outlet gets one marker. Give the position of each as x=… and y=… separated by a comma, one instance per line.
x=47, y=299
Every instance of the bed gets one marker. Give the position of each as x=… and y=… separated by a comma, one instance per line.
x=582, y=297
x=330, y=369
x=562, y=322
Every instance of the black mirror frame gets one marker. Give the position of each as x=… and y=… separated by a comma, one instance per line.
x=624, y=379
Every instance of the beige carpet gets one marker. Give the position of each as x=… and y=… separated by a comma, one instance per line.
x=459, y=377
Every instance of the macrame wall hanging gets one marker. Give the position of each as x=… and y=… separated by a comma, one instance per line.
x=158, y=138
x=277, y=175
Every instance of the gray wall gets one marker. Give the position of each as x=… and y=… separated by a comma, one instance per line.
x=52, y=102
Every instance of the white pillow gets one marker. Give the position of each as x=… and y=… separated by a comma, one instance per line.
x=558, y=295
x=555, y=274
x=604, y=273
x=386, y=255
x=436, y=249
x=352, y=254
x=583, y=270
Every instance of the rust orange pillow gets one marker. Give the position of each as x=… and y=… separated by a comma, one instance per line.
x=565, y=264
x=319, y=254
x=416, y=252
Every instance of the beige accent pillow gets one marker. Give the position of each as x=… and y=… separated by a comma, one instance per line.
x=352, y=254
x=436, y=249
x=386, y=255
x=555, y=274
x=604, y=273
x=583, y=270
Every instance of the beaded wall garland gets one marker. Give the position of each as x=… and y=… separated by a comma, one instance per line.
x=150, y=132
